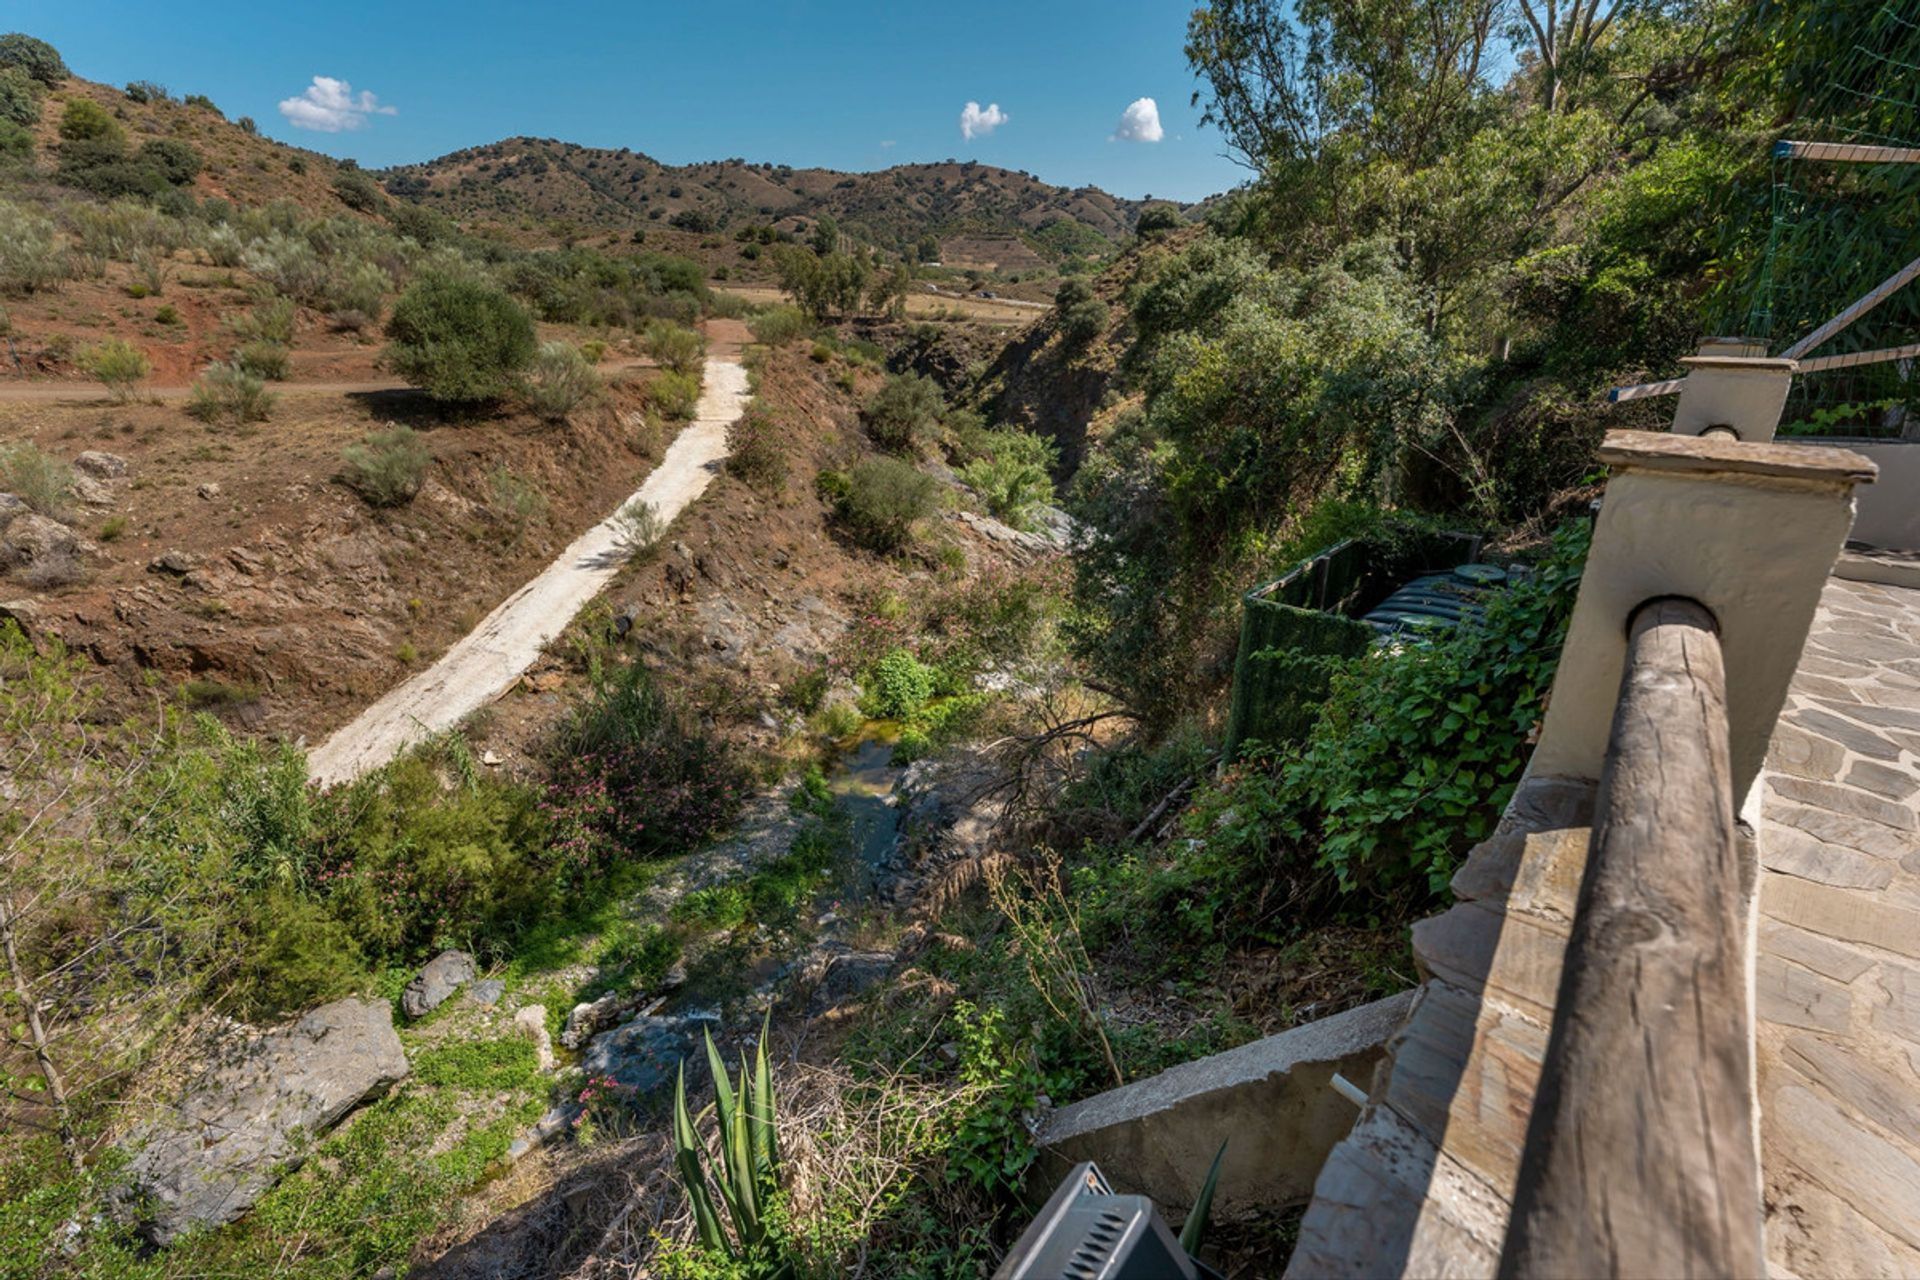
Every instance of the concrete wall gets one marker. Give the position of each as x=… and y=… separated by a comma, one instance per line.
x=1888, y=510
x=1272, y=1101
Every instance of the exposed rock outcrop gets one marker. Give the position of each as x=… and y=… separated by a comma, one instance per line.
x=251, y=1116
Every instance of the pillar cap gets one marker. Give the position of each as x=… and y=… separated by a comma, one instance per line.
x=1706, y=455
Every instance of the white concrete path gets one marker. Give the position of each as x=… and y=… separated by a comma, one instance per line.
x=484, y=664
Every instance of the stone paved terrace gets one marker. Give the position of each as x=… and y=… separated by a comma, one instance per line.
x=1423, y=1185
x=1838, y=962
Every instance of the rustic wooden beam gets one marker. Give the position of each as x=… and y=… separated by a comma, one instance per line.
x=1640, y=1157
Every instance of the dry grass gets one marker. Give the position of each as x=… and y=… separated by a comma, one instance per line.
x=849, y=1148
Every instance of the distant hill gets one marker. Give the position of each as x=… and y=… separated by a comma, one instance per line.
x=980, y=213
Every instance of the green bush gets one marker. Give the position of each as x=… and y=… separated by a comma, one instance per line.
x=30, y=256
x=262, y=359
x=420, y=866
x=1415, y=753
x=289, y=264
x=230, y=393
x=175, y=161
x=777, y=326
x=271, y=321
x=636, y=779
x=897, y=687
x=1158, y=219
x=459, y=340
x=19, y=97
x=757, y=450
x=120, y=365
x=675, y=347
x=85, y=120
x=35, y=477
x=1084, y=321
x=561, y=381
x=356, y=295
x=16, y=143
x=1012, y=475
x=357, y=190
x=674, y=395
x=881, y=501
x=388, y=468
x=35, y=57
x=903, y=411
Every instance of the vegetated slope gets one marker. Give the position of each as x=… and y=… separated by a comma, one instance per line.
x=1061, y=384
x=240, y=166
x=527, y=182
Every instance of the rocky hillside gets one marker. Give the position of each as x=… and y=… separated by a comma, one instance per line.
x=522, y=181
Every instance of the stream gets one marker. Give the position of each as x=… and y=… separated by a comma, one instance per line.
x=862, y=779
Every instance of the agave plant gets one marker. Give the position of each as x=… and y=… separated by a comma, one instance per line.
x=748, y=1175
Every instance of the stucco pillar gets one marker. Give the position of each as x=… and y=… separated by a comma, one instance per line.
x=1732, y=395
x=1748, y=530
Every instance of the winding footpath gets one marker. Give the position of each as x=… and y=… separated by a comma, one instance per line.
x=484, y=664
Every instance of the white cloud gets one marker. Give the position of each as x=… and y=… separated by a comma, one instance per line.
x=331, y=106
x=976, y=123
x=1140, y=122
x=887, y=144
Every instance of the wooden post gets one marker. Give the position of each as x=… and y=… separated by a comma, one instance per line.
x=1640, y=1155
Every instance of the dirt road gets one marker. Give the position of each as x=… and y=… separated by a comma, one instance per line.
x=485, y=663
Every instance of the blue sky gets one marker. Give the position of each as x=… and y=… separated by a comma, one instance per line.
x=798, y=83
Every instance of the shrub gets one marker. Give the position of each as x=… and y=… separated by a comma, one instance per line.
x=902, y=411
x=387, y=468
x=289, y=264
x=230, y=393
x=459, y=340
x=1010, y=472
x=271, y=321
x=561, y=381
x=1158, y=219
x=16, y=143
x=85, y=120
x=636, y=779
x=358, y=190
x=175, y=161
x=1413, y=757
x=518, y=501
x=777, y=326
x=146, y=91
x=757, y=451
x=119, y=365
x=35, y=477
x=357, y=293
x=223, y=246
x=263, y=359
x=30, y=258
x=19, y=97
x=1084, y=321
x=35, y=57
x=638, y=527
x=674, y=395
x=897, y=687
x=881, y=501
x=675, y=347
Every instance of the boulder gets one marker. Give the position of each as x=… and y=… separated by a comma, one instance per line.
x=11, y=505
x=31, y=539
x=531, y=1022
x=440, y=978
x=100, y=465
x=643, y=1054
x=174, y=562
x=251, y=1116
x=487, y=992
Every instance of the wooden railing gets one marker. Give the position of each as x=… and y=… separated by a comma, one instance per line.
x=1640, y=1154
